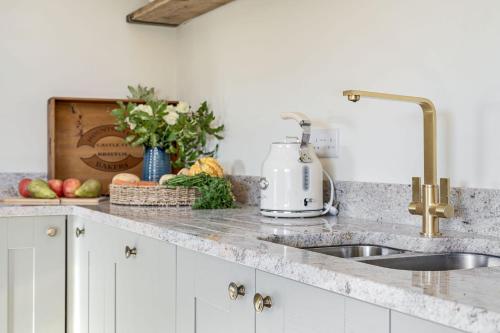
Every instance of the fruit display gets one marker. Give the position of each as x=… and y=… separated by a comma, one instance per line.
x=39, y=189
x=208, y=165
x=23, y=187
x=56, y=188
x=89, y=189
x=70, y=186
x=56, y=185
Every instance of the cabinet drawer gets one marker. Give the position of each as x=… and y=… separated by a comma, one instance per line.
x=203, y=302
x=402, y=323
x=361, y=317
x=297, y=307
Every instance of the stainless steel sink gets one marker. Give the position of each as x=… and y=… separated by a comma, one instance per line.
x=436, y=262
x=353, y=251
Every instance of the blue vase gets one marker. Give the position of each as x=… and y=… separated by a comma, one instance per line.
x=156, y=164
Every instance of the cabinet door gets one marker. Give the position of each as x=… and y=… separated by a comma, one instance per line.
x=297, y=308
x=402, y=323
x=203, y=302
x=361, y=317
x=32, y=274
x=145, y=285
x=77, y=276
x=91, y=276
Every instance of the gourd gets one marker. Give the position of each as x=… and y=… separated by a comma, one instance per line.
x=208, y=165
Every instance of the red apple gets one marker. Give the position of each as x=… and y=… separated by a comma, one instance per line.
x=23, y=187
x=70, y=185
x=56, y=185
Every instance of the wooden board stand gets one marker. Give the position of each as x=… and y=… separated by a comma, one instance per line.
x=83, y=142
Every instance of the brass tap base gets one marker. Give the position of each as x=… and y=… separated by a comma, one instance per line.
x=430, y=223
x=431, y=235
x=425, y=202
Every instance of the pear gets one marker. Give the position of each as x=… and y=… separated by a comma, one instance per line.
x=89, y=189
x=39, y=189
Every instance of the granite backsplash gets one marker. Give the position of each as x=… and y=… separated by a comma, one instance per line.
x=476, y=210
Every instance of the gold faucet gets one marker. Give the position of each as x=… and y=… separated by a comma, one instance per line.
x=424, y=197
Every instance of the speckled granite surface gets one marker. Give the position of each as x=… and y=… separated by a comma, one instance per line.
x=9, y=181
x=464, y=299
x=476, y=210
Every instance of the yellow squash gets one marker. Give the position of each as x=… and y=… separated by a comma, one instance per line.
x=208, y=165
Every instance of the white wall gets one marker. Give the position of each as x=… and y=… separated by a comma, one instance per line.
x=253, y=59
x=71, y=48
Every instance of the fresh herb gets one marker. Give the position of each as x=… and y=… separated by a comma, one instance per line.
x=215, y=192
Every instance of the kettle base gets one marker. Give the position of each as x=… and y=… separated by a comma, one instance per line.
x=291, y=213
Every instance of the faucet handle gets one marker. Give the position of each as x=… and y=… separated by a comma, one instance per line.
x=416, y=188
x=415, y=207
x=444, y=191
x=444, y=209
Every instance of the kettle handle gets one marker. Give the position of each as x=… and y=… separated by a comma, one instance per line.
x=329, y=205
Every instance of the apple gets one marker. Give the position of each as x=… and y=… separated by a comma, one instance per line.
x=56, y=185
x=23, y=187
x=70, y=185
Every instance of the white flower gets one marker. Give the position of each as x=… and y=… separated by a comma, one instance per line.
x=130, y=124
x=183, y=107
x=171, y=118
x=143, y=108
x=171, y=108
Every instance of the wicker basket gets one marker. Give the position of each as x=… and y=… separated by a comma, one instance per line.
x=152, y=195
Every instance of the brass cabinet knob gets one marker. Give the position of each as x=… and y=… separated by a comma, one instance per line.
x=79, y=232
x=51, y=231
x=260, y=302
x=235, y=291
x=130, y=251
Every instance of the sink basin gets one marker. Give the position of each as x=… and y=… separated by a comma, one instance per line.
x=436, y=262
x=353, y=251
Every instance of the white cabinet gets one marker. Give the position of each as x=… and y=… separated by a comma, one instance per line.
x=297, y=307
x=111, y=290
x=91, y=277
x=32, y=274
x=203, y=302
x=145, y=285
x=402, y=323
x=204, y=305
x=361, y=317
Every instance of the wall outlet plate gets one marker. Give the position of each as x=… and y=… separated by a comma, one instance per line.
x=325, y=142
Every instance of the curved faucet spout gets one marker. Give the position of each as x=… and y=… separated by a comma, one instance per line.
x=430, y=154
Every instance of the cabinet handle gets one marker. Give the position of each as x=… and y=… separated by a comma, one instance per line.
x=79, y=232
x=51, y=231
x=130, y=251
x=260, y=302
x=235, y=291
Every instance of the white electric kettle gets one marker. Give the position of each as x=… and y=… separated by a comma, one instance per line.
x=292, y=177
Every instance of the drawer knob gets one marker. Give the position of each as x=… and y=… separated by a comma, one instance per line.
x=235, y=290
x=52, y=231
x=130, y=251
x=260, y=302
x=79, y=232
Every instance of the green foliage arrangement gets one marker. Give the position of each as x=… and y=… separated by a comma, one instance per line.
x=181, y=131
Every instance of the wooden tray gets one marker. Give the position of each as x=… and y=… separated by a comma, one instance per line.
x=83, y=142
x=18, y=201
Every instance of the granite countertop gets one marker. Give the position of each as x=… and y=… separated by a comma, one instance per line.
x=464, y=299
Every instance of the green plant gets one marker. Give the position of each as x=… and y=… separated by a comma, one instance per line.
x=215, y=192
x=190, y=135
x=141, y=92
x=182, y=132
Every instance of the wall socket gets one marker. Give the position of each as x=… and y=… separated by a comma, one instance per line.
x=325, y=141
